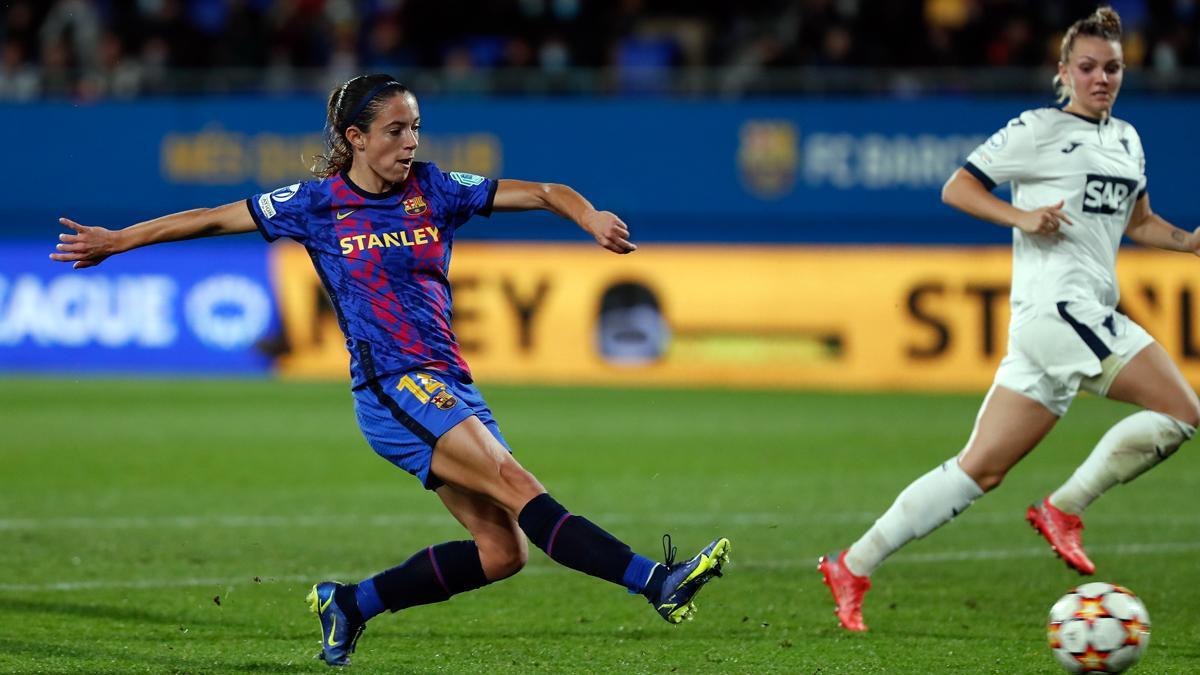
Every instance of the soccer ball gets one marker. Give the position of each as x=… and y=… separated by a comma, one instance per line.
x=1098, y=628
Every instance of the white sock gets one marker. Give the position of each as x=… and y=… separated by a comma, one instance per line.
x=926, y=504
x=1131, y=447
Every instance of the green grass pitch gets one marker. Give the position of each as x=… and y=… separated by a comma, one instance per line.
x=175, y=526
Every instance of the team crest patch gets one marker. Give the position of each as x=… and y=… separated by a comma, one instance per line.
x=415, y=206
x=466, y=179
x=444, y=400
x=768, y=155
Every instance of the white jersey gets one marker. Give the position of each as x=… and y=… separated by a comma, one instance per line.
x=1098, y=170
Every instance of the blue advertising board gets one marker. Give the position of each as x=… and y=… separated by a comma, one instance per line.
x=789, y=170
x=194, y=308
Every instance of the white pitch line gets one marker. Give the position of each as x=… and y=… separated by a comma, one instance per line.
x=1135, y=549
x=277, y=521
x=1043, y=551
x=216, y=582
x=183, y=582
x=210, y=521
x=764, y=518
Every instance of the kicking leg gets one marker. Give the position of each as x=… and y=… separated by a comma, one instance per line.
x=1138, y=442
x=469, y=457
x=1009, y=425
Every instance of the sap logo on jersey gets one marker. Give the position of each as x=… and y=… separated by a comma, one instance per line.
x=1106, y=194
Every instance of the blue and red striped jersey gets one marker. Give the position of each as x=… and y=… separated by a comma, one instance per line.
x=384, y=259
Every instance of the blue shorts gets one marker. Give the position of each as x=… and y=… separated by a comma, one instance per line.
x=404, y=414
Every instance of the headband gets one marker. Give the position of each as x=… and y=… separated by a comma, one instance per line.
x=365, y=100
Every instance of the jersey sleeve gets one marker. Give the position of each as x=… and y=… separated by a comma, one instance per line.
x=283, y=212
x=468, y=194
x=1140, y=153
x=1007, y=155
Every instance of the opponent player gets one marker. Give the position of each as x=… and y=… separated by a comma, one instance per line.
x=1078, y=184
x=379, y=227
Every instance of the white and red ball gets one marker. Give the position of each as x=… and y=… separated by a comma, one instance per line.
x=1098, y=628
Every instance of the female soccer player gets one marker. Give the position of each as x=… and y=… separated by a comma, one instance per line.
x=1078, y=179
x=379, y=228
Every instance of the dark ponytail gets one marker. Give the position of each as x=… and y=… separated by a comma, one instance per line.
x=355, y=103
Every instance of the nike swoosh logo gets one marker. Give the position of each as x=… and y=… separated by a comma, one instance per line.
x=343, y=216
x=325, y=606
x=332, y=630
x=1071, y=147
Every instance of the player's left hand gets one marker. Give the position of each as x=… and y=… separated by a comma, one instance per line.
x=1194, y=241
x=610, y=231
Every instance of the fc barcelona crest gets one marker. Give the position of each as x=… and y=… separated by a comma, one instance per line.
x=415, y=206
x=444, y=400
x=768, y=157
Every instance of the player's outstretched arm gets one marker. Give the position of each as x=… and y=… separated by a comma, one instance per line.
x=519, y=195
x=1150, y=229
x=89, y=246
x=965, y=193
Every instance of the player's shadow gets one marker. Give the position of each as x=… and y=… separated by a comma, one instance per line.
x=89, y=656
x=582, y=633
x=1189, y=653
x=42, y=650
x=946, y=634
x=132, y=614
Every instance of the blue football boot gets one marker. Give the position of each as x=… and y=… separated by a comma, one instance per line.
x=339, y=634
x=684, y=581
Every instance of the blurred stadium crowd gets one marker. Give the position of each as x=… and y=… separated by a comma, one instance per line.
x=119, y=48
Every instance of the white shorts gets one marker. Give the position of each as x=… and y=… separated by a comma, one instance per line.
x=1067, y=347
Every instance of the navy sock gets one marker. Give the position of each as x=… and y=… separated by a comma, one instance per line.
x=645, y=576
x=368, y=600
x=430, y=575
x=577, y=543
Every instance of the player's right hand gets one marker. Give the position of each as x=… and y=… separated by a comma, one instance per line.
x=86, y=247
x=610, y=231
x=1046, y=220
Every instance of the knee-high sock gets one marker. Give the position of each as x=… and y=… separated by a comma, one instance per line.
x=1126, y=451
x=576, y=542
x=926, y=504
x=430, y=575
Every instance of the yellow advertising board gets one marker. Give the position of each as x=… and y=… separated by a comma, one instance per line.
x=905, y=318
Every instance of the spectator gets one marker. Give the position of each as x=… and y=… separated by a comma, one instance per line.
x=19, y=79
x=123, y=47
